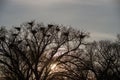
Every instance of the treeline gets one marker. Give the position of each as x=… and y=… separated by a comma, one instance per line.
x=30, y=52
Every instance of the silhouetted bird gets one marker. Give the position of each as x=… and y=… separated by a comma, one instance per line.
x=82, y=36
x=42, y=28
x=44, y=34
x=14, y=34
x=19, y=41
x=11, y=45
x=48, y=35
x=17, y=28
x=27, y=44
x=2, y=38
x=66, y=33
x=50, y=25
x=33, y=31
x=31, y=23
x=57, y=29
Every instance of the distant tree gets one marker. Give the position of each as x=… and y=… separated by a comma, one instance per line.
x=118, y=39
x=30, y=52
x=104, y=60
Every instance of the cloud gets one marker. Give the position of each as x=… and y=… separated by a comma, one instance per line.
x=95, y=15
x=37, y=2
x=52, y=2
x=102, y=36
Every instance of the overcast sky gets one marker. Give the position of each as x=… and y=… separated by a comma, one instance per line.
x=99, y=17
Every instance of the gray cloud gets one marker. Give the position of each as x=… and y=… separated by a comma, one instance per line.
x=96, y=16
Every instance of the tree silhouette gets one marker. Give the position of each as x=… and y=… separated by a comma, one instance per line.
x=30, y=52
x=104, y=59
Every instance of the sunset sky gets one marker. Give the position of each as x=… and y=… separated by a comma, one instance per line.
x=99, y=17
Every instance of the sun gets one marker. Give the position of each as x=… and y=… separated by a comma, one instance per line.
x=53, y=66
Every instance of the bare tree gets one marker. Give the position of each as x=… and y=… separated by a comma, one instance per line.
x=118, y=39
x=30, y=52
x=104, y=60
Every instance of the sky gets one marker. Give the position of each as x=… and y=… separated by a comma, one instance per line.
x=99, y=17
